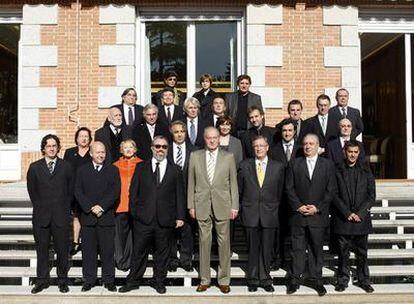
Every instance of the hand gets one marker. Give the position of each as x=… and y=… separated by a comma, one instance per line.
x=96, y=209
x=354, y=218
x=179, y=223
x=312, y=210
x=303, y=209
x=192, y=213
x=233, y=213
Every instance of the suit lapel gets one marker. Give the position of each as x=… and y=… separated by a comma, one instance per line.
x=44, y=167
x=305, y=168
x=253, y=172
x=216, y=167
x=268, y=172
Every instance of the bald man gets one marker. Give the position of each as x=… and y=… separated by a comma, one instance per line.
x=97, y=188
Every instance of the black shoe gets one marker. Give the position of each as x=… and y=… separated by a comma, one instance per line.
x=160, y=288
x=340, y=287
x=367, y=288
x=172, y=267
x=76, y=247
x=320, y=290
x=38, y=288
x=275, y=266
x=63, y=288
x=268, y=288
x=110, y=287
x=292, y=288
x=188, y=267
x=252, y=288
x=127, y=288
x=86, y=287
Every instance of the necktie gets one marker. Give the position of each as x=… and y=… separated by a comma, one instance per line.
x=323, y=124
x=50, y=166
x=130, y=117
x=310, y=167
x=210, y=167
x=260, y=173
x=168, y=114
x=179, y=161
x=288, y=153
x=192, y=132
x=97, y=168
x=157, y=173
x=297, y=128
x=343, y=113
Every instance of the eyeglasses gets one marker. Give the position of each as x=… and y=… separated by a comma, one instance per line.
x=165, y=147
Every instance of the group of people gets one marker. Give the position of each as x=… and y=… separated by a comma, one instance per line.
x=158, y=178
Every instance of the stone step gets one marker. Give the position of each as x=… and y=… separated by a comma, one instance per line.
x=392, y=223
x=15, y=224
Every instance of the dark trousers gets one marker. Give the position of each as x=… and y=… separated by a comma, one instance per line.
x=123, y=240
x=61, y=242
x=144, y=237
x=185, y=237
x=310, y=239
x=260, y=244
x=359, y=245
x=94, y=237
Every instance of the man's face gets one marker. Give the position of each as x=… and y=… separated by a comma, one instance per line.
x=288, y=132
x=295, y=111
x=206, y=84
x=310, y=146
x=345, y=128
x=323, y=106
x=342, y=98
x=178, y=134
x=191, y=110
x=244, y=85
x=351, y=154
x=115, y=117
x=171, y=81
x=256, y=119
x=211, y=138
x=98, y=153
x=51, y=149
x=218, y=106
x=130, y=98
x=167, y=98
x=159, y=149
x=260, y=147
x=151, y=116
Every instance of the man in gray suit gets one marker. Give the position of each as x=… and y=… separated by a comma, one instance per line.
x=213, y=199
x=238, y=102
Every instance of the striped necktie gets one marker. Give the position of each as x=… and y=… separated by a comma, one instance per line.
x=179, y=160
x=210, y=167
x=260, y=174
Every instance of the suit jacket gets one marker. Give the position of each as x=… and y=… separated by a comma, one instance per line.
x=313, y=126
x=104, y=135
x=353, y=115
x=164, y=203
x=97, y=188
x=247, y=137
x=177, y=115
x=219, y=197
x=137, y=114
x=302, y=190
x=235, y=148
x=361, y=205
x=142, y=138
x=336, y=153
x=202, y=124
x=232, y=100
x=277, y=152
x=259, y=206
x=51, y=194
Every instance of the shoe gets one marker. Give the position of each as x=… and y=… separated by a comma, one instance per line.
x=160, y=288
x=252, y=288
x=275, y=266
x=63, y=288
x=340, y=287
x=367, y=288
x=76, y=247
x=127, y=288
x=172, y=267
x=320, y=290
x=201, y=287
x=188, y=267
x=292, y=288
x=224, y=288
x=86, y=287
x=110, y=287
x=268, y=288
x=38, y=288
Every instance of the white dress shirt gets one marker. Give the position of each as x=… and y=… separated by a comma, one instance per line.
x=175, y=152
x=114, y=129
x=263, y=163
x=343, y=139
x=291, y=143
x=162, y=165
x=215, y=118
x=126, y=112
x=323, y=123
x=97, y=166
x=151, y=130
x=171, y=110
x=214, y=155
x=311, y=163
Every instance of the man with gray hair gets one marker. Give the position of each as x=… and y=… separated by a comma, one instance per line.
x=195, y=124
x=310, y=187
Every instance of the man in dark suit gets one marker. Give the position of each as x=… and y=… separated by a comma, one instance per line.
x=170, y=82
x=131, y=112
x=322, y=124
x=194, y=122
x=310, y=186
x=238, y=102
x=261, y=182
x=294, y=108
x=342, y=110
x=256, y=119
x=98, y=186
x=144, y=133
x=157, y=205
x=351, y=217
x=287, y=147
x=179, y=154
x=218, y=109
x=168, y=111
x=50, y=187
x=336, y=146
x=112, y=134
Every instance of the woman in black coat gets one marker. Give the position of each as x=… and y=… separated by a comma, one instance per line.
x=206, y=95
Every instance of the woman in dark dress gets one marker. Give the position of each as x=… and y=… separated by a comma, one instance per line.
x=78, y=156
x=206, y=95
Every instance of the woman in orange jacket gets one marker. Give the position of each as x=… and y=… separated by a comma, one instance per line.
x=123, y=221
